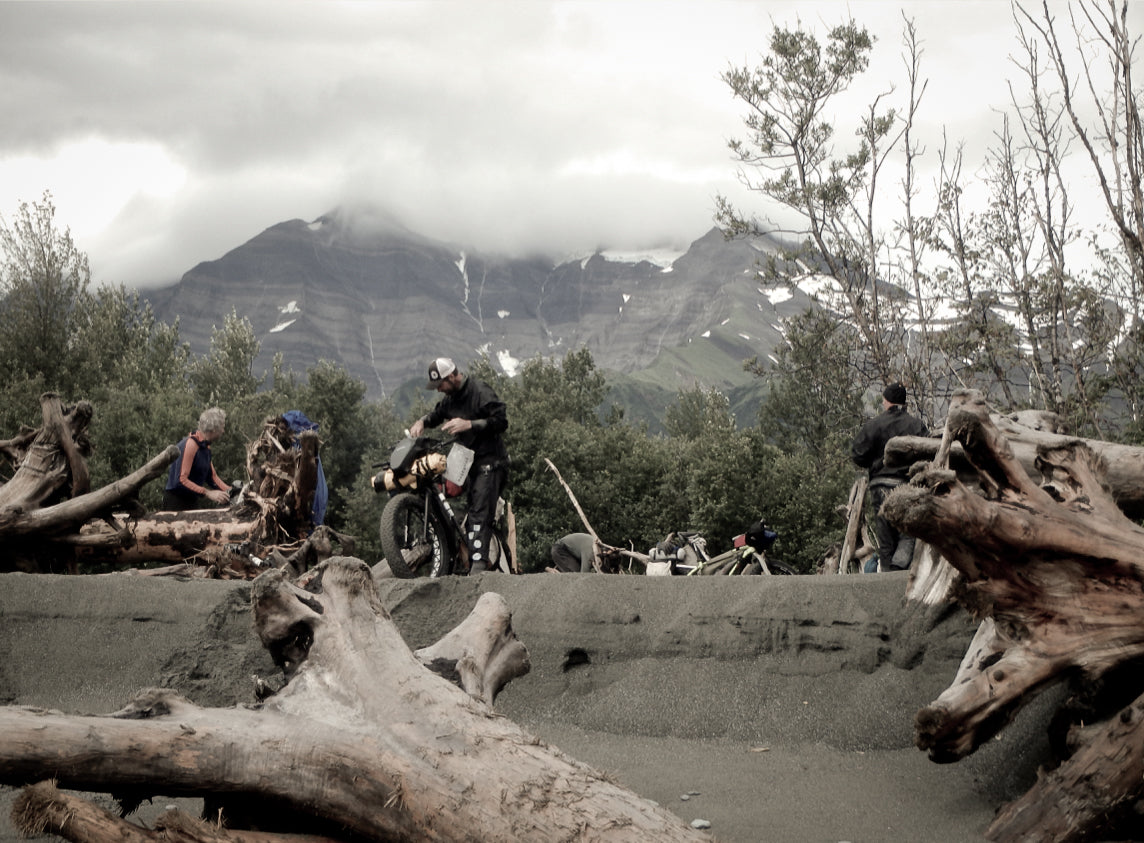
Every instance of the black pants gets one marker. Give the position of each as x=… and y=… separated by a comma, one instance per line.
x=175, y=502
x=565, y=561
x=895, y=550
x=485, y=485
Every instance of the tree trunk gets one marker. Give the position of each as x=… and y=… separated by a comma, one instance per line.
x=1055, y=573
x=52, y=521
x=855, y=512
x=162, y=537
x=363, y=740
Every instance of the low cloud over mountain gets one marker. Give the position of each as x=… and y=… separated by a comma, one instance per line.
x=365, y=292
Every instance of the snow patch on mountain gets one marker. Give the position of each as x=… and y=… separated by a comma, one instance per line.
x=509, y=364
x=777, y=295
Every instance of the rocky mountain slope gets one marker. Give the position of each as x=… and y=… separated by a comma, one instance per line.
x=363, y=291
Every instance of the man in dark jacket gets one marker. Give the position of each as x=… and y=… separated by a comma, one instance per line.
x=476, y=417
x=895, y=551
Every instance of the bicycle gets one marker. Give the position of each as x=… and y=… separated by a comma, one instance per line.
x=747, y=558
x=421, y=534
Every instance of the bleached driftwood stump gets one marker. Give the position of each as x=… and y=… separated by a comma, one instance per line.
x=364, y=741
x=1055, y=572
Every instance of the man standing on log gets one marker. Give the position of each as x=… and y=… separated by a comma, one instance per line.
x=472, y=412
x=895, y=551
x=192, y=476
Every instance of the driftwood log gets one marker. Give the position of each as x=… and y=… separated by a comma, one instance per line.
x=1124, y=464
x=1055, y=572
x=932, y=581
x=365, y=741
x=47, y=500
x=50, y=458
x=50, y=520
x=44, y=808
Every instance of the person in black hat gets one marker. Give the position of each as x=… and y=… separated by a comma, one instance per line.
x=895, y=551
x=471, y=412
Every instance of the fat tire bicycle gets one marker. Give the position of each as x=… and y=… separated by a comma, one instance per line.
x=421, y=533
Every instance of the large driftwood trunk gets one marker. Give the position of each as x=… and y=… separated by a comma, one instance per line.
x=932, y=580
x=46, y=501
x=51, y=520
x=162, y=536
x=365, y=741
x=1055, y=572
x=1124, y=464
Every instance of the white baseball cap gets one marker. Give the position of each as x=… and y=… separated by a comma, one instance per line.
x=440, y=368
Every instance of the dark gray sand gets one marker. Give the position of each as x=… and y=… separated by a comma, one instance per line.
x=776, y=708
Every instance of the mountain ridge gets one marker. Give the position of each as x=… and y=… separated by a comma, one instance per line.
x=369, y=294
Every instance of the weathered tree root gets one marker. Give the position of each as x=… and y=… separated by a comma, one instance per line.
x=1055, y=571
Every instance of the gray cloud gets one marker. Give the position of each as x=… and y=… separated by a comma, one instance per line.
x=507, y=125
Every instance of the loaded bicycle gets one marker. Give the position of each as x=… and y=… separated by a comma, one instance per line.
x=422, y=534
x=685, y=554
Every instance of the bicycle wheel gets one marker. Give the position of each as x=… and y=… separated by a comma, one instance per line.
x=413, y=540
x=753, y=569
x=769, y=566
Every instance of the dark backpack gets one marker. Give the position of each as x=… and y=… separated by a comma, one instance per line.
x=298, y=423
x=760, y=537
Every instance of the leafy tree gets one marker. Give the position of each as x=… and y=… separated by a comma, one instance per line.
x=116, y=341
x=812, y=404
x=134, y=371
x=790, y=158
x=131, y=425
x=698, y=413
x=550, y=406
x=573, y=390
x=224, y=377
x=981, y=349
x=44, y=281
x=105, y=346
x=624, y=480
x=227, y=371
x=798, y=494
x=363, y=505
x=720, y=474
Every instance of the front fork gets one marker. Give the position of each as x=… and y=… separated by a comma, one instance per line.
x=450, y=525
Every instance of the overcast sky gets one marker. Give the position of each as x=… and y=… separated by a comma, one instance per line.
x=171, y=132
